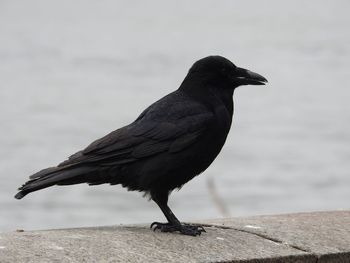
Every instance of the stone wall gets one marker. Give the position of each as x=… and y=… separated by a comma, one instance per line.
x=304, y=237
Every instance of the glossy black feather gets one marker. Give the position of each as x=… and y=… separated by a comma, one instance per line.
x=173, y=140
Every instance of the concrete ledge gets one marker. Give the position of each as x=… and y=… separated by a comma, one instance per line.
x=305, y=237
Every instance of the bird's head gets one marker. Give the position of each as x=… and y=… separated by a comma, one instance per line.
x=219, y=71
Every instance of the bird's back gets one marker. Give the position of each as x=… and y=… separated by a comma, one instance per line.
x=195, y=135
x=173, y=140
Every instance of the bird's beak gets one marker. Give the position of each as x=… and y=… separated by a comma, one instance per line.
x=247, y=77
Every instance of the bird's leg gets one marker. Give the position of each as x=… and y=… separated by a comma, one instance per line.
x=173, y=224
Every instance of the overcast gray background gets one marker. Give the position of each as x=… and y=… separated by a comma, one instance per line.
x=72, y=71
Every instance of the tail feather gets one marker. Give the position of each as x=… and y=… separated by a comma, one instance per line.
x=45, y=172
x=20, y=195
x=53, y=176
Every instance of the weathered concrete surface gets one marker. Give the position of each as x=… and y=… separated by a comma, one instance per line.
x=325, y=234
x=286, y=238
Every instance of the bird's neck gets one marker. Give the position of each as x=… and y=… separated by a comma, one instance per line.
x=208, y=94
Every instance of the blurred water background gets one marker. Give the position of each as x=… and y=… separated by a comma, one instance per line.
x=72, y=71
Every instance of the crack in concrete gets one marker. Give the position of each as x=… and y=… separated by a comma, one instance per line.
x=274, y=240
x=262, y=236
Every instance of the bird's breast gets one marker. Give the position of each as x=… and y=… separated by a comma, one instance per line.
x=215, y=137
x=223, y=120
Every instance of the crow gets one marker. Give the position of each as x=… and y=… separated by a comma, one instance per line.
x=171, y=142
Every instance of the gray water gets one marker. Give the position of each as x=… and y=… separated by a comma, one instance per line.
x=72, y=71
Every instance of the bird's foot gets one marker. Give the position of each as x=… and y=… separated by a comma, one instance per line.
x=185, y=229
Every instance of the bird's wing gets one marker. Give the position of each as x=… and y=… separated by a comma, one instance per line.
x=170, y=136
x=144, y=138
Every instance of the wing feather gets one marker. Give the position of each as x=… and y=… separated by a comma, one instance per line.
x=180, y=125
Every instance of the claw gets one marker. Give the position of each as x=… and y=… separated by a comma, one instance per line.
x=185, y=229
x=201, y=228
x=154, y=223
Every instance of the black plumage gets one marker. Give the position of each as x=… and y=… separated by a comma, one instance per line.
x=172, y=141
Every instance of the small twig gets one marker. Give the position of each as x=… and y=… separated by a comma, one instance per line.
x=217, y=200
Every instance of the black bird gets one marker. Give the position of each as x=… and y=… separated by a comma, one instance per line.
x=172, y=141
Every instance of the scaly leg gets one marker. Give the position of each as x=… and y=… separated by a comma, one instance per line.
x=173, y=224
